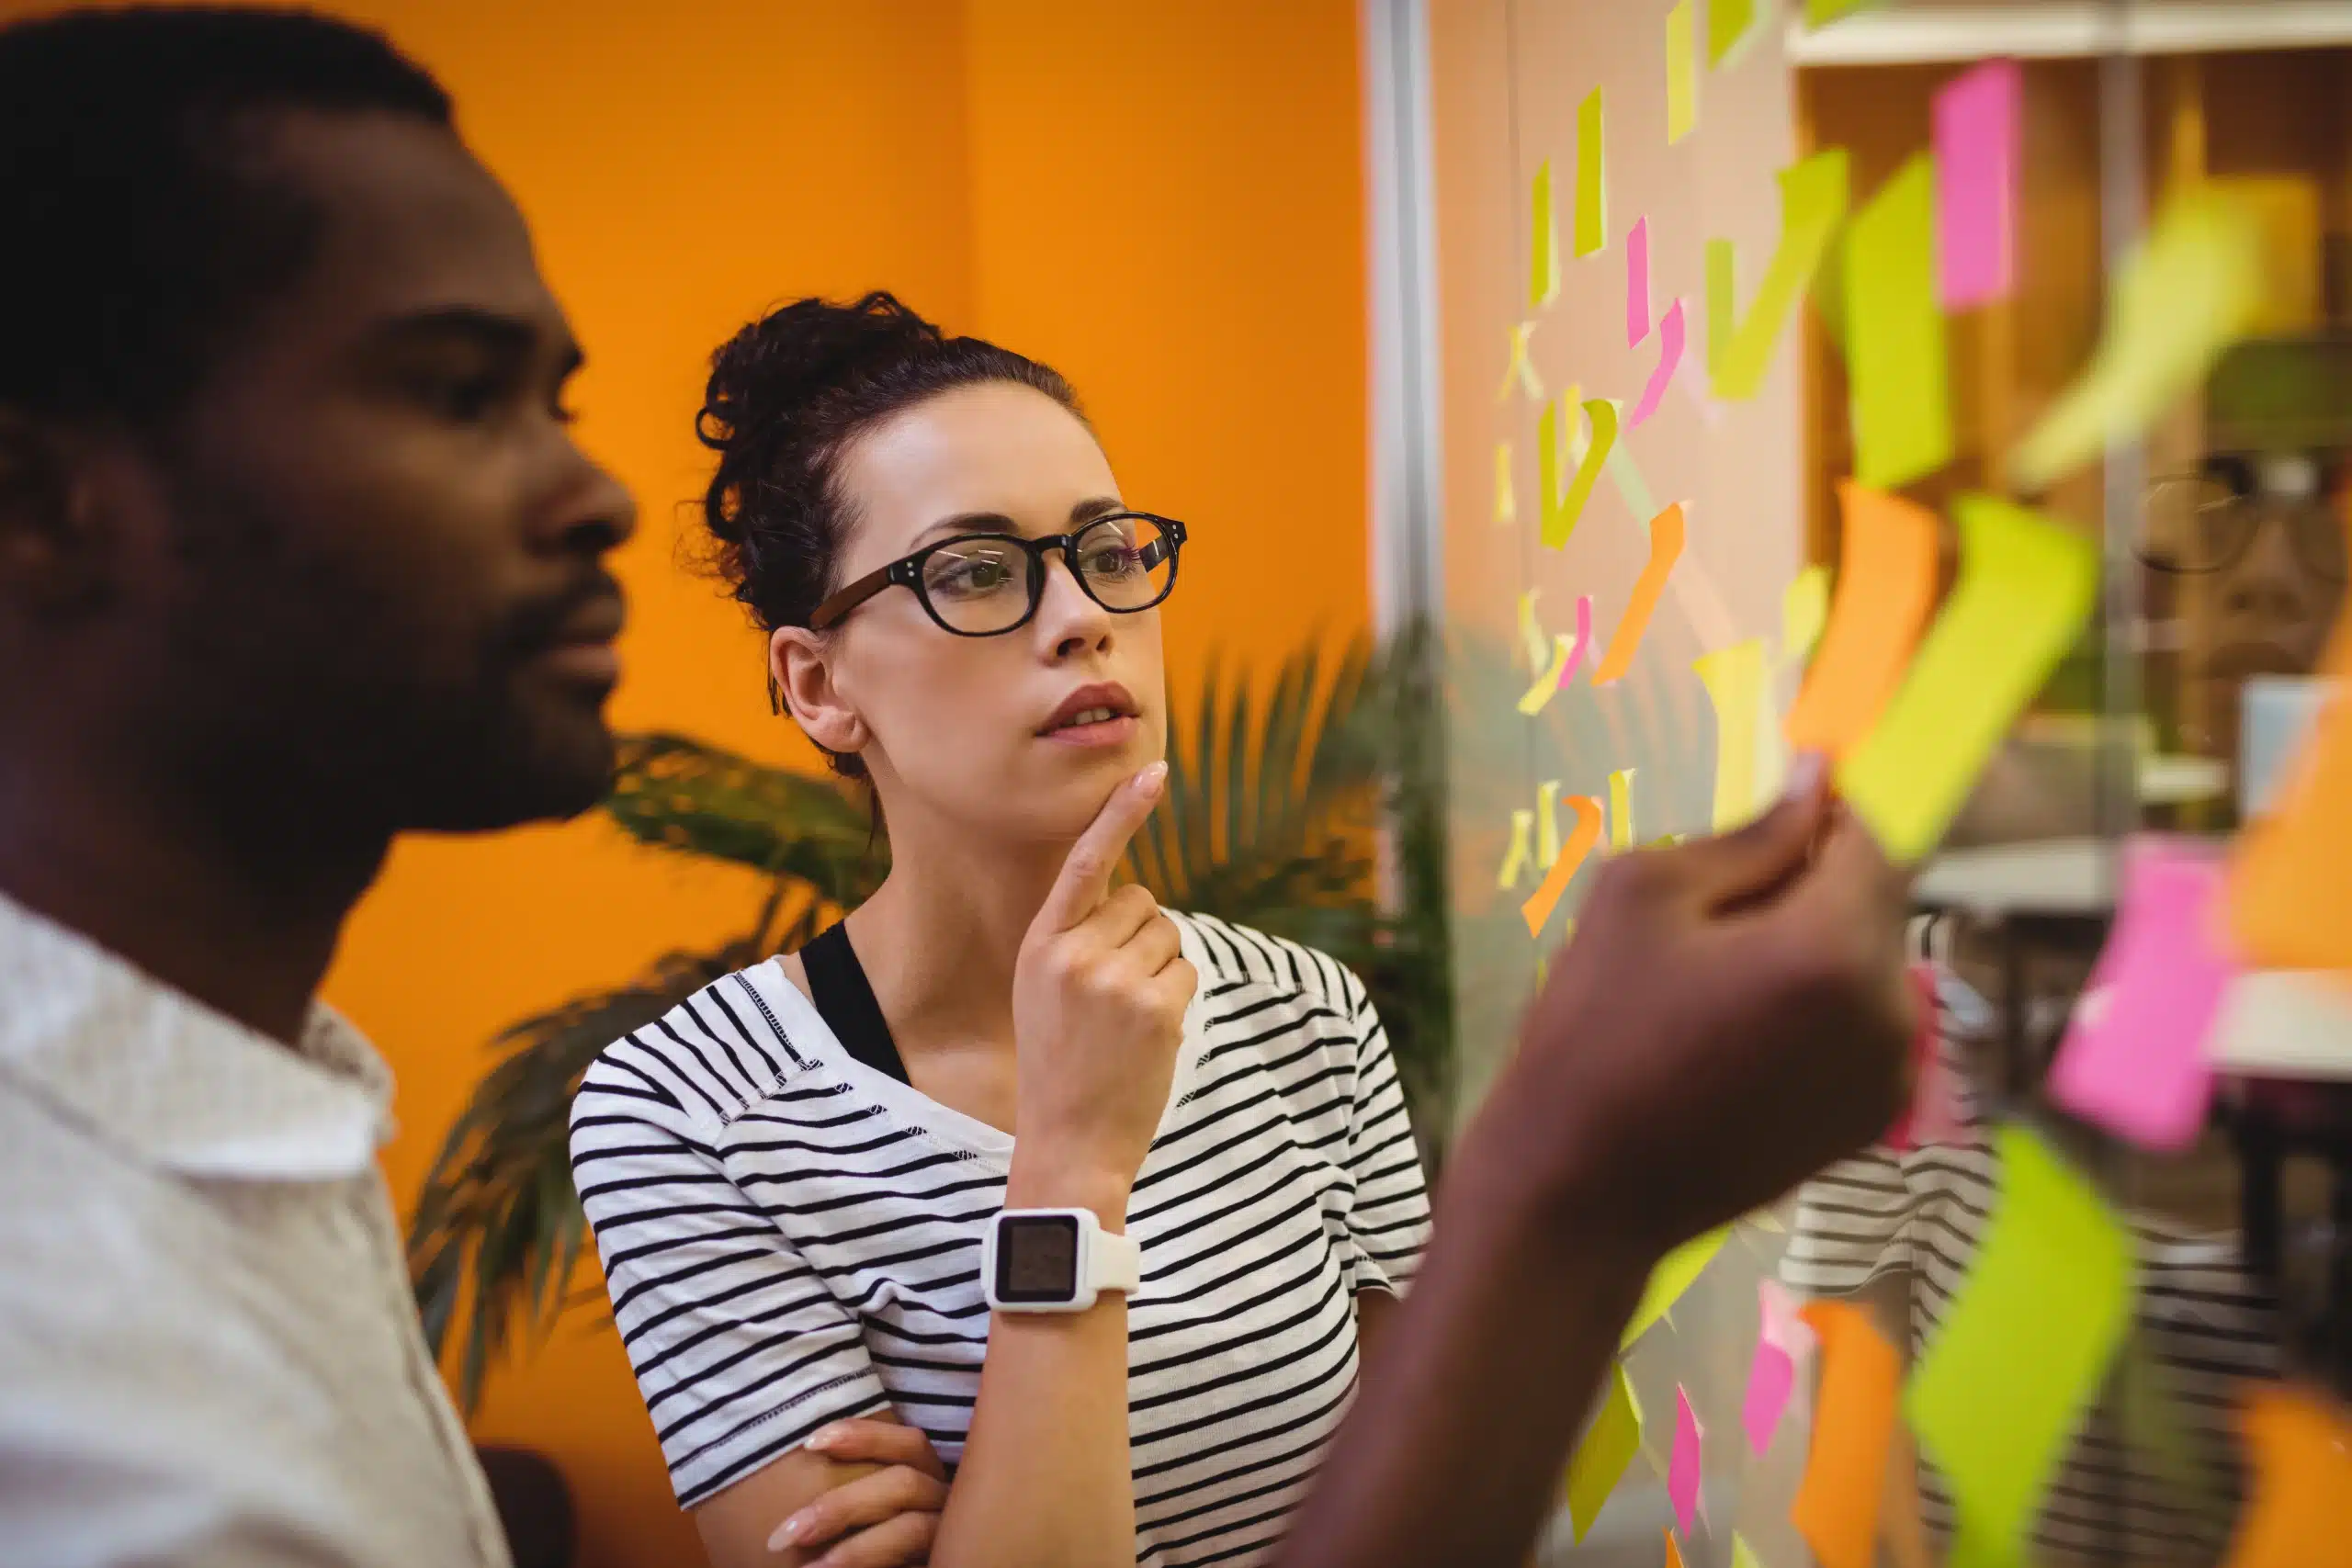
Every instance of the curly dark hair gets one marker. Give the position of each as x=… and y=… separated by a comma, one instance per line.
x=786, y=395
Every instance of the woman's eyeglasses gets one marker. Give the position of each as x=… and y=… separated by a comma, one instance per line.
x=2204, y=521
x=988, y=584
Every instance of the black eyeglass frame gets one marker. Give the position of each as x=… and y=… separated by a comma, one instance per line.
x=906, y=572
x=2238, y=493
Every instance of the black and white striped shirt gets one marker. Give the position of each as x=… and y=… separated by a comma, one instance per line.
x=2203, y=1325
x=791, y=1237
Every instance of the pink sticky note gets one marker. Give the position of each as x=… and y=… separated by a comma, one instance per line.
x=1637, y=283
x=1770, y=1378
x=1779, y=1309
x=1682, y=1469
x=1583, y=644
x=1929, y=1088
x=1977, y=116
x=2133, y=1059
x=1670, y=355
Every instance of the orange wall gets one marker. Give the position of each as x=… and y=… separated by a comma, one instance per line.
x=1163, y=200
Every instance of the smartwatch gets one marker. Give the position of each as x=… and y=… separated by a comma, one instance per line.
x=1054, y=1261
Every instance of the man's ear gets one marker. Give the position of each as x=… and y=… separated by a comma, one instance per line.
x=57, y=558
x=801, y=670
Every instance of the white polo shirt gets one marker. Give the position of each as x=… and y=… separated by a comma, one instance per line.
x=208, y=1351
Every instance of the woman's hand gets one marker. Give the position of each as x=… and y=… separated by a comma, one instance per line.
x=1098, y=994
x=883, y=1520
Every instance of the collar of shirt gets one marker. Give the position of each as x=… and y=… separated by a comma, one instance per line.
x=174, y=1082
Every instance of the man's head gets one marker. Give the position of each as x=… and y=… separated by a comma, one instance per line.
x=290, y=520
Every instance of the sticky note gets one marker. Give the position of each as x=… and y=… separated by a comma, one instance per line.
x=1675, y=1273
x=2186, y=293
x=2136, y=1064
x=1812, y=203
x=1886, y=584
x=1631, y=488
x=1682, y=1467
x=1562, y=508
x=1682, y=72
x=1547, y=823
x=1669, y=356
x=1979, y=123
x=1506, y=499
x=1621, y=809
x=1729, y=23
x=2299, y=1515
x=1552, y=677
x=1544, y=265
x=1734, y=682
x=1665, y=548
x=1742, y=1554
x=1637, y=285
x=2286, y=908
x=2038, y=1317
x=1522, y=827
x=1804, y=609
x=1934, y=1114
x=1895, y=358
x=1581, y=838
x=1531, y=640
x=2026, y=588
x=1583, y=644
x=1771, y=1378
x=1821, y=13
x=1853, y=1427
x=1592, y=180
x=1673, y=1551
x=1521, y=371
x=1608, y=1447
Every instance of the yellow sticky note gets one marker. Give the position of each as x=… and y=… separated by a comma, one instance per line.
x=2301, y=1513
x=1821, y=13
x=1742, y=1554
x=1895, y=350
x=1537, y=646
x=1522, y=825
x=1621, y=809
x=1804, y=608
x=2026, y=588
x=1506, y=499
x=1682, y=72
x=1547, y=823
x=1675, y=1274
x=1886, y=585
x=2188, y=292
x=2038, y=1317
x=1581, y=838
x=1562, y=508
x=1729, y=23
x=2286, y=893
x=1608, y=1447
x=1521, y=371
x=1592, y=179
x=1544, y=268
x=1547, y=680
x=1733, y=677
x=1812, y=203
x=1837, y=1507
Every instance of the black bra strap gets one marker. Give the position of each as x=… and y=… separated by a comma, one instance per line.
x=844, y=999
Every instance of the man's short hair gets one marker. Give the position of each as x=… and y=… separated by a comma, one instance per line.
x=143, y=230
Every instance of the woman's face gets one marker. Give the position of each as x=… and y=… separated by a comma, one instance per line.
x=961, y=729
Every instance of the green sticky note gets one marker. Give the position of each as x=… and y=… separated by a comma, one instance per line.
x=1742, y=1554
x=1821, y=13
x=2003, y=1386
x=1812, y=203
x=1676, y=1273
x=1543, y=269
x=1563, y=507
x=1609, y=1446
x=2026, y=587
x=2188, y=291
x=1728, y=24
x=1682, y=72
x=1592, y=182
x=1894, y=344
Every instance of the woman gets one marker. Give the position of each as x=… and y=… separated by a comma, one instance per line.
x=790, y=1175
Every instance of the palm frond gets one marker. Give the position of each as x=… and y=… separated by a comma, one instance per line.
x=675, y=793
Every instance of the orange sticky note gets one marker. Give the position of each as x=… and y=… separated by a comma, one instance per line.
x=1665, y=548
x=1853, y=1430
x=2301, y=1513
x=1673, y=1553
x=1581, y=838
x=2290, y=891
x=1886, y=584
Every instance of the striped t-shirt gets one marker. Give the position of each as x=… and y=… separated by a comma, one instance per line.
x=2204, y=1326
x=791, y=1237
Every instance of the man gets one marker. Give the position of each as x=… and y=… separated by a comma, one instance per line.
x=296, y=554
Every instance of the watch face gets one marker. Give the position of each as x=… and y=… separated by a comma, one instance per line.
x=1036, y=1258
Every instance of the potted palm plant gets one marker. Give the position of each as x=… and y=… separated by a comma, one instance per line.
x=1317, y=814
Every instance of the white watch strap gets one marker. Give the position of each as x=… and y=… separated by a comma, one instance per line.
x=1116, y=1263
